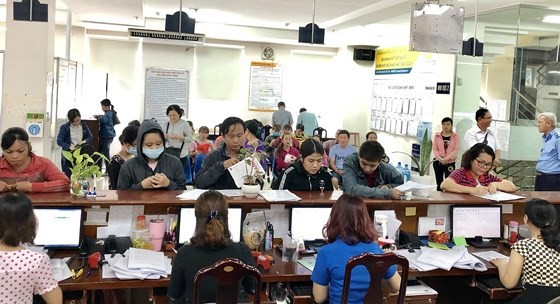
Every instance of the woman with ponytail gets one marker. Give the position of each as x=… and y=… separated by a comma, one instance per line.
x=210, y=243
x=536, y=258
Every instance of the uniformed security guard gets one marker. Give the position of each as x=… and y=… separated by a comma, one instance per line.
x=548, y=165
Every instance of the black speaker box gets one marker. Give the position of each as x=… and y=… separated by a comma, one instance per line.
x=364, y=54
x=468, y=47
x=305, y=34
x=172, y=23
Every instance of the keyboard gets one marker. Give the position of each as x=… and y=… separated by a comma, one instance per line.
x=302, y=289
x=314, y=244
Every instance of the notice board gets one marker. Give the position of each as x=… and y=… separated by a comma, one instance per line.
x=165, y=87
x=265, y=90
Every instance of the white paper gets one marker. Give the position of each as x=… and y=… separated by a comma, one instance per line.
x=468, y=261
x=96, y=216
x=501, y=196
x=146, y=259
x=240, y=170
x=444, y=259
x=191, y=194
x=120, y=220
x=335, y=195
x=489, y=255
x=425, y=224
x=60, y=270
x=412, y=258
x=421, y=289
x=231, y=192
x=279, y=196
x=412, y=186
x=307, y=262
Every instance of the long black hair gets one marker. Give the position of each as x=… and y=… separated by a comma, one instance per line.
x=543, y=216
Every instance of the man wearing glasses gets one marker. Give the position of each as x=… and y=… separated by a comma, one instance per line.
x=481, y=133
x=548, y=165
x=473, y=178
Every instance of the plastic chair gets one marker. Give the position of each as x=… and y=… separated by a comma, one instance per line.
x=188, y=171
x=321, y=132
x=227, y=273
x=198, y=163
x=376, y=265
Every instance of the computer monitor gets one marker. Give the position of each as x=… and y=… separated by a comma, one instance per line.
x=472, y=221
x=58, y=228
x=308, y=222
x=187, y=223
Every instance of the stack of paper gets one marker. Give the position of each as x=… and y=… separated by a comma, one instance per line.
x=137, y=264
x=279, y=196
x=60, y=270
x=412, y=258
x=457, y=256
x=501, y=196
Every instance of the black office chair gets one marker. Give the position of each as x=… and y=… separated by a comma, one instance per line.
x=321, y=132
x=376, y=265
x=227, y=273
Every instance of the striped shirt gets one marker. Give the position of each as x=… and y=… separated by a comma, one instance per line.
x=464, y=177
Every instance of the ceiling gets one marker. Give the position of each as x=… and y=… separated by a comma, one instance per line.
x=385, y=17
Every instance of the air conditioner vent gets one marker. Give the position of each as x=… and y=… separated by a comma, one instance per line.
x=161, y=35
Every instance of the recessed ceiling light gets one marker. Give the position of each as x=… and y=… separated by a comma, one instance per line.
x=552, y=19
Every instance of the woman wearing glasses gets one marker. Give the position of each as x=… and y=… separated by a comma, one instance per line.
x=473, y=177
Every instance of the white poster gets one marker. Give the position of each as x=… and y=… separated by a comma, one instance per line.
x=165, y=87
x=265, y=88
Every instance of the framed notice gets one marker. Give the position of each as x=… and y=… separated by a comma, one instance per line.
x=165, y=87
x=265, y=88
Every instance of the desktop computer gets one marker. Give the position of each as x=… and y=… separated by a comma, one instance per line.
x=308, y=223
x=187, y=222
x=58, y=228
x=476, y=223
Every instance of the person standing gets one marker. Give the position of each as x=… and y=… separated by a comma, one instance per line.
x=106, y=128
x=308, y=120
x=482, y=134
x=73, y=135
x=445, y=147
x=282, y=116
x=178, y=134
x=548, y=165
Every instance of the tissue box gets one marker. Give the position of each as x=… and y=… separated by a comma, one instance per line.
x=438, y=236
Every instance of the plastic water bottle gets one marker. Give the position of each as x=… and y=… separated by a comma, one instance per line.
x=406, y=173
x=399, y=167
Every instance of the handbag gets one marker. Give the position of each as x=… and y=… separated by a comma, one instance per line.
x=172, y=150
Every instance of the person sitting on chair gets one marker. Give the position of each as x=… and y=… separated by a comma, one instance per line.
x=473, y=177
x=210, y=243
x=128, y=151
x=349, y=232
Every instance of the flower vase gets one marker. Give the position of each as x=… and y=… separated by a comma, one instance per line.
x=250, y=191
x=77, y=186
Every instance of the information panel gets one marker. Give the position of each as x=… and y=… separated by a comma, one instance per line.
x=265, y=89
x=165, y=87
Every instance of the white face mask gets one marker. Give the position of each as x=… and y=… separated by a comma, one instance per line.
x=152, y=153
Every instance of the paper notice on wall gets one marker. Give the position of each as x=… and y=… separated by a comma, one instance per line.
x=501, y=129
x=497, y=108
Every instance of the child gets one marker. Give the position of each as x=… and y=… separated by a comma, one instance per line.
x=286, y=154
x=203, y=144
x=24, y=272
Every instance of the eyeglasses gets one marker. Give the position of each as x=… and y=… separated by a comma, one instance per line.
x=484, y=164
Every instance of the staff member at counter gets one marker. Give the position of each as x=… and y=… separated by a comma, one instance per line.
x=473, y=177
x=151, y=169
x=22, y=170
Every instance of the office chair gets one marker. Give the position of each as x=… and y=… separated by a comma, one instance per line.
x=227, y=273
x=321, y=132
x=376, y=265
x=198, y=164
x=215, y=134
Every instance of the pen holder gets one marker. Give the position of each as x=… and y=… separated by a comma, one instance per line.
x=438, y=236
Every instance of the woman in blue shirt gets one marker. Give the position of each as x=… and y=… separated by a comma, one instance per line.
x=349, y=232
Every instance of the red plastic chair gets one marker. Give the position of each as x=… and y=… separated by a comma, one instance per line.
x=376, y=265
x=228, y=272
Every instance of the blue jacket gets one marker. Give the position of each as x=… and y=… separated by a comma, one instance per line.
x=106, y=129
x=63, y=139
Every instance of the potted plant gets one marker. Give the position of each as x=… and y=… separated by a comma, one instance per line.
x=254, y=171
x=423, y=165
x=82, y=166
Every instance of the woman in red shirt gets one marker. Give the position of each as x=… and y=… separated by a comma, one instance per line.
x=22, y=170
x=286, y=154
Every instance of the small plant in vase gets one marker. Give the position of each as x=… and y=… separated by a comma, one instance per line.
x=254, y=170
x=82, y=166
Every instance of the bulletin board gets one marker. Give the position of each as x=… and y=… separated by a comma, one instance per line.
x=404, y=90
x=265, y=87
x=165, y=87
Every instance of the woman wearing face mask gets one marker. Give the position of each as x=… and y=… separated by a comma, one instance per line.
x=128, y=151
x=306, y=174
x=152, y=168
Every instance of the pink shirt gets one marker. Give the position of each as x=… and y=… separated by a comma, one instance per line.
x=24, y=273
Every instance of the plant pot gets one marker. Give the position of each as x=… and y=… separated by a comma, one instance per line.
x=77, y=186
x=250, y=191
x=424, y=180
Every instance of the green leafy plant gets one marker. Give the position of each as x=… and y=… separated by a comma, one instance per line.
x=424, y=162
x=252, y=157
x=83, y=166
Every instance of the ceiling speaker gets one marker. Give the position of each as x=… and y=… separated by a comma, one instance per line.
x=305, y=34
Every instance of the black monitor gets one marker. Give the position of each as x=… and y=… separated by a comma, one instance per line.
x=58, y=228
x=476, y=223
x=187, y=222
x=308, y=222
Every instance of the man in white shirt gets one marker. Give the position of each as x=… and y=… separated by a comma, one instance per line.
x=481, y=133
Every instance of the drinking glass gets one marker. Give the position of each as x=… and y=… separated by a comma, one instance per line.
x=322, y=186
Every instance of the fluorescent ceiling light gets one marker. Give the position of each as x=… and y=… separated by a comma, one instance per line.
x=315, y=53
x=553, y=72
x=552, y=19
x=224, y=46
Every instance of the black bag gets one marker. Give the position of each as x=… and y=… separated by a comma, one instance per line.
x=116, y=119
x=174, y=151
